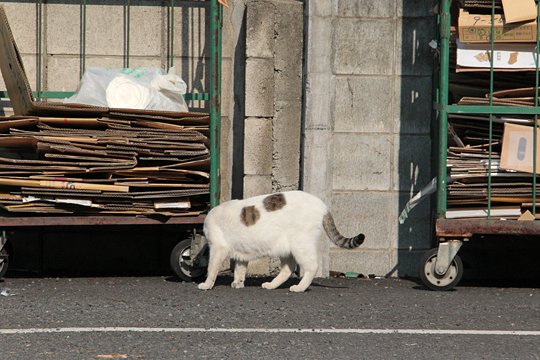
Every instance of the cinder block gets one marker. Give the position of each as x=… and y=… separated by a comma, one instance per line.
x=365, y=262
x=231, y=28
x=412, y=168
x=226, y=85
x=104, y=30
x=417, y=231
x=413, y=105
x=362, y=162
x=364, y=47
x=260, y=20
x=257, y=185
x=364, y=104
x=320, y=8
x=225, y=165
x=288, y=51
x=317, y=163
x=408, y=262
x=189, y=29
x=64, y=33
x=259, y=266
x=420, y=8
x=145, y=31
x=286, y=146
x=22, y=21
x=319, y=45
x=320, y=89
x=413, y=54
x=258, y=146
x=369, y=212
x=367, y=8
x=259, y=87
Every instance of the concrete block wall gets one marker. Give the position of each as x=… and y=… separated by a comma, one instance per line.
x=367, y=127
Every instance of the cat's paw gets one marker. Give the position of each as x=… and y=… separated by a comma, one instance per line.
x=296, y=288
x=204, y=286
x=267, y=285
x=237, y=285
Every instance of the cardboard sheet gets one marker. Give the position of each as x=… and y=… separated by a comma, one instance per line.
x=517, y=150
x=508, y=56
x=476, y=28
x=519, y=10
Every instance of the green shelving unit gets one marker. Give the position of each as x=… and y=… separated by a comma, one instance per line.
x=441, y=268
x=187, y=257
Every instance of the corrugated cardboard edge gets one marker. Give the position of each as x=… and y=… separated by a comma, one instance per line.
x=12, y=69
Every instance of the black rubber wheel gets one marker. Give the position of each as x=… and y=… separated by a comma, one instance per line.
x=4, y=262
x=435, y=281
x=179, y=255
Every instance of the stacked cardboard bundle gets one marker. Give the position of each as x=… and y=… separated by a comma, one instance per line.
x=489, y=159
x=69, y=158
x=112, y=165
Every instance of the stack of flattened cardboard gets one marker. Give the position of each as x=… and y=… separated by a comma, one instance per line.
x=489, y=159
x=514, y=54
x=77, y=159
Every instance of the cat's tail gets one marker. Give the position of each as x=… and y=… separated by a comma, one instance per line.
x=338, y=239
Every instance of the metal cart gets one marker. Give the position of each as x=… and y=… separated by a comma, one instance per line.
x=442, y=268
x=187, y=258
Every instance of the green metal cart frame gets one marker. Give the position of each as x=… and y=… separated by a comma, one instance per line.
x=187, y=258
x=441, y=268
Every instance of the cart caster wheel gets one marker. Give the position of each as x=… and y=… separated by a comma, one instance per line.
x=435, y=281
x=4, y=262
x=180, y=259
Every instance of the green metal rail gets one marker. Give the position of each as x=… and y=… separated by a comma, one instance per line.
x=443, y=108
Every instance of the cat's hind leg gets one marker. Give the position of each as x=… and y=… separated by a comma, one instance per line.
x=308, y=262
x=218, y=254
x=287, y=268
x=240, y=268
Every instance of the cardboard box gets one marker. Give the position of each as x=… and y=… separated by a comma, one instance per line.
x=512, y=57
x=519, y=10
x=476, y=28
x=517, y=148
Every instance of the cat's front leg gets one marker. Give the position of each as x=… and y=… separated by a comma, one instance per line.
x=217, y=256
x=205, y=286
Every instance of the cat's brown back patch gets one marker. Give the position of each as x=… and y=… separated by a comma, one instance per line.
x=274, y=202
x=249, y=215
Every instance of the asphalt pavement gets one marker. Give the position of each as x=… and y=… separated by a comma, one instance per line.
x=162, y=318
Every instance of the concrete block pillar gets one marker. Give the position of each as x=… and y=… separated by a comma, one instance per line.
x=259, y=98
x=273, y=100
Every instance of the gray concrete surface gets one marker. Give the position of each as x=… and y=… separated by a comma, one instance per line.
x=367, y=125
x=181, y=317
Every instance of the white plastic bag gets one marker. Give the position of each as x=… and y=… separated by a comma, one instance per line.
x=132, y=88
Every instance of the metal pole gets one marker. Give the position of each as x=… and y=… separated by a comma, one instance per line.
x=83, y=38
x=444, y=19
x=215, y=101
x=491, y=80
x=535, y=140
x=39, y=50
x=127, y=23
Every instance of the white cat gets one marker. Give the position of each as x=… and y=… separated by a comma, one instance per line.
x=287, y=225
